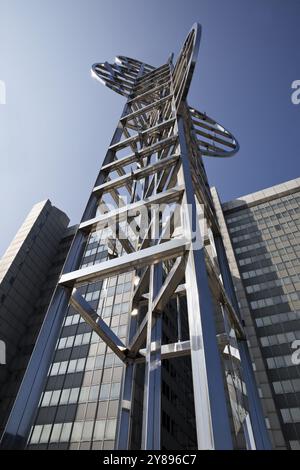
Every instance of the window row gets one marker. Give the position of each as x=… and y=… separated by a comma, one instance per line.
x=285, y=281
x=278, y=247
x=110, y=291
x=78, y=340
x=290, y=415
x=253, y=259
x=243, y=215
x=277, y=318
x=73, y=320
x=295, y=445
x=93, y=259
x=258, y=272
x=268, y=219
x=280, y=338
x=79, y=365
x=264, y=285
x=108, y=391
x=278, y=299
x=279, y=361
x=267, y=222
x=291, y=251
x=74, y=432
x=247, y=236
x=287, y=386
x=85, y=338
x=81, y=395
x=269, y=234
x=116, y=314
x=266, y=210
x=290, y=263
x=95, y=250
x=253, y=246
x=243, y=227
x=116, y=309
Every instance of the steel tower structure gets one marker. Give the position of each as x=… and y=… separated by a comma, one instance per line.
x=152, y=198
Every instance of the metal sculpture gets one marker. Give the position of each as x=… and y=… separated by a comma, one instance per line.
x=155, y=158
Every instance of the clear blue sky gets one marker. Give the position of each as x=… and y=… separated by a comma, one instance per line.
x=57, y=123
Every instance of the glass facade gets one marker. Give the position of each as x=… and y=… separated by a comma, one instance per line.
x=79, y=406
x=265, y=235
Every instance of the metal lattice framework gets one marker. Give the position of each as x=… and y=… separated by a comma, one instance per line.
x=155, y=158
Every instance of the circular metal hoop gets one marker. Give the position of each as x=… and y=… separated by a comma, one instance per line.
x=121, y=75
x=186, y=62
x=212, y=138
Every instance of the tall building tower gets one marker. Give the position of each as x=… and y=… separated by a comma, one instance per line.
x=29, y=271
x=261, y=236
x=143, y=345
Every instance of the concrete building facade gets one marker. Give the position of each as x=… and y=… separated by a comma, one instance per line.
x=261, y=233
x=29, y=270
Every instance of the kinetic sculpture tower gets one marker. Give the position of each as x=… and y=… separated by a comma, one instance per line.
x=152, y=209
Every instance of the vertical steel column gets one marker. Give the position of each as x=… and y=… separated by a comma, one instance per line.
x=247, y=428
x=179, y=330
x=151, y=431
x=260, y=432
x=125, y=408
x=152, y=391
x=212, y=420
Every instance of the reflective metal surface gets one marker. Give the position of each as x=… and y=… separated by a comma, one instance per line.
x=153, y=170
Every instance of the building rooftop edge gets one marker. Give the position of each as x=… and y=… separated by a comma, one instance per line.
x=267, y=194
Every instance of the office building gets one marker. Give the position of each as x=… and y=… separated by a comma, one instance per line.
x=29, y=270
x=261, y=233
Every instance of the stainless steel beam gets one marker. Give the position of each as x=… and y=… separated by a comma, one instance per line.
x=151, y=429
x=98, y=325
x=221, y=295
x=123, y=430
x=170, y=351
x=132, y=261
x=212, y=419
x=143, y=284
x=138, y=174
x=138, y=155
x=142, y=96
x=152, y=130
x=139, y=338
x=170, y=284
x=121, y=214
x=147, y=108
